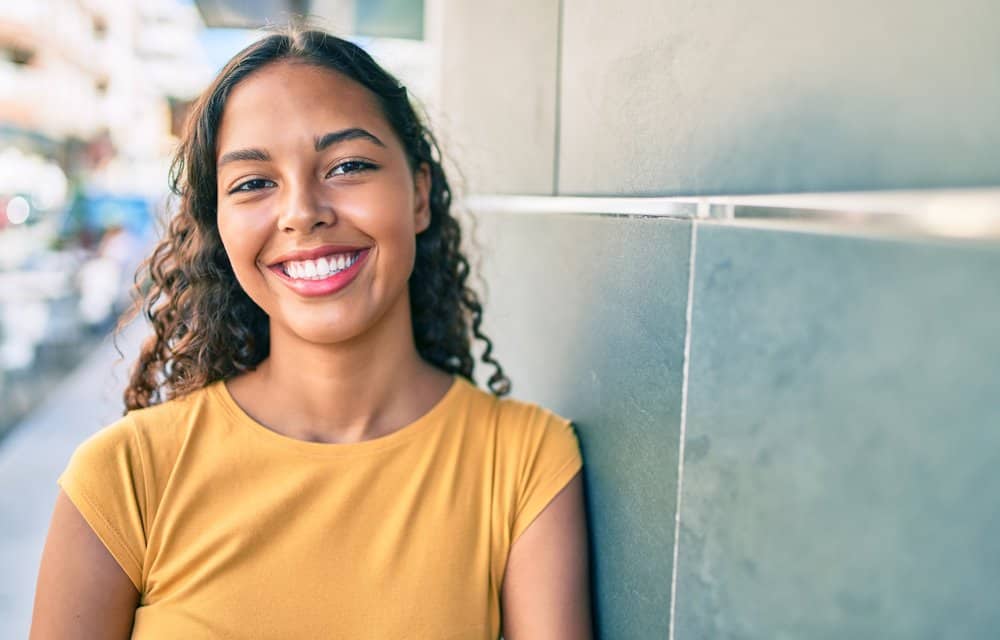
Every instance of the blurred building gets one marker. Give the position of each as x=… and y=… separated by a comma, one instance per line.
x=86, y=95
x=87, y=83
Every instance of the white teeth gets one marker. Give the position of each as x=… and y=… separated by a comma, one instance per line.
x=321, y=267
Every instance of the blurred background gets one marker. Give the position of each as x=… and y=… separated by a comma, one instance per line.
x=93, y=95
x=751, y=249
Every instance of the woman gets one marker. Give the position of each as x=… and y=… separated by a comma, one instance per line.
x=304, y=455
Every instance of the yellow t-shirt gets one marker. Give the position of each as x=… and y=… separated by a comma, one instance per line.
x=231, y=530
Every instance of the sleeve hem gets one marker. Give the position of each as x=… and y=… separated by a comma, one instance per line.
x=105, y=531
x=530, y=512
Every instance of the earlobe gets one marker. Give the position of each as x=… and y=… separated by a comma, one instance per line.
x=421, y=194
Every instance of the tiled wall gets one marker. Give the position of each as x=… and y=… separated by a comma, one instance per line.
x=827, y=399
x=499, y=89
x=587, y=314
x=841, y=430
x=677, y=97
x=673, y=97
x=841, y=472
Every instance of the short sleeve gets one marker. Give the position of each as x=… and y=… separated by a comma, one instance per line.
x=551, y=458
x=104, y=480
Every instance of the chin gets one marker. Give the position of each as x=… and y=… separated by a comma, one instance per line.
x=325, y=333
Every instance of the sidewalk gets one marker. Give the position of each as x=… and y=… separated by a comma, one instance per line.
x=34, y=454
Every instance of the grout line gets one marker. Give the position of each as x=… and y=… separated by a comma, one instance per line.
x=558, y=106
x=981, y=203
x=903, y=226
x=667, y=207
x=885, y=232
x=686, y=373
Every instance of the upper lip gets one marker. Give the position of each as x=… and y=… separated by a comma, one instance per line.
x=317, y=252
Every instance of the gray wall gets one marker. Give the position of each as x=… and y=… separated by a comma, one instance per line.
x=841, y=472
x=672, y=97
x=588, y=317
x=827, y=399
x=678, y=97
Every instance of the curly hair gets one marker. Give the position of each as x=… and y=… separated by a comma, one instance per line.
x=205, y=326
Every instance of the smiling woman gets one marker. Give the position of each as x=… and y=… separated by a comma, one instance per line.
x=295, y=201
x=305, y=452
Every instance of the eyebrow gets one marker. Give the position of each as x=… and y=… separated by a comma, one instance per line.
x=319, y=143
x=243, y=154
x=336, y=137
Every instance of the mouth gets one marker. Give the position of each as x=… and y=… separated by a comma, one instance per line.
x=319, y=268
x=320, y=271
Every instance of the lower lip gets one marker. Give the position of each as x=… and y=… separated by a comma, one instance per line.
x=328, y=285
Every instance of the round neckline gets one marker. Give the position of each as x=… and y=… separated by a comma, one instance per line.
x=336, y=449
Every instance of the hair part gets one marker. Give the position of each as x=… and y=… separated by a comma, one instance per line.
x=206, y=328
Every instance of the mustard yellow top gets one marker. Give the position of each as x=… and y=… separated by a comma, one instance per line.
x=231, y=530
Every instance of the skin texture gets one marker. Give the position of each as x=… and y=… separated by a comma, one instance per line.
x=342, y=367
x=82, y=592
x=546, y=587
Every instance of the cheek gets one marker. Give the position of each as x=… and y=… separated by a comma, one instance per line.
x=242, y=240
x=390, y=212
x=396, y=236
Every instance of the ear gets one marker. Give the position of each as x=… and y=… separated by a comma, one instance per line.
x=422, y=197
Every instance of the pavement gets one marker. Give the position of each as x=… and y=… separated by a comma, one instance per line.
x=36, y=451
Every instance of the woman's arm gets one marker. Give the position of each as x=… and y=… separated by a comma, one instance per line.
x=546, y=587
x=82, y=592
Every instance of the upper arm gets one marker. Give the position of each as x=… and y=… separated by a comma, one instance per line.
x=82, y=591
x=546, y=585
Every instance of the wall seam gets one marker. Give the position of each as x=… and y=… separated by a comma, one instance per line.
x=558, y=106
x=685, y=376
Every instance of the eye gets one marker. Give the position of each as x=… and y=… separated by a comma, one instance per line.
x=351, y=166
x=253, y=184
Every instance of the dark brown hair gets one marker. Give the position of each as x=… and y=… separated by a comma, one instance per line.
x=206, y=328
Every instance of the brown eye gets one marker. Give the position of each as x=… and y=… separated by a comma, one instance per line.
x=351, y=166
x=252, y=185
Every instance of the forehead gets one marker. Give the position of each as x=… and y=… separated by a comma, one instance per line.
x=286, y=99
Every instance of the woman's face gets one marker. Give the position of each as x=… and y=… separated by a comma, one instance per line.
x=318, y=209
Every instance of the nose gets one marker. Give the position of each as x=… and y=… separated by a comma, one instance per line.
x=302, y=211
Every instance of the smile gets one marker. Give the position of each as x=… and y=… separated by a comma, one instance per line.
x=321, y=275
x=320, y=268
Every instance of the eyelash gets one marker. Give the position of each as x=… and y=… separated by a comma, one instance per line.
x=363, y=166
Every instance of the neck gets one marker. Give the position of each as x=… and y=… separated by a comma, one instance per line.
x=345, y=392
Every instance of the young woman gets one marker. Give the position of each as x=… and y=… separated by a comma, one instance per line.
x=304, y=453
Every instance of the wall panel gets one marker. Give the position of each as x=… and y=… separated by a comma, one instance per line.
x=498, y=93
x=842, y=439
x=587, y=314
x=673, y=97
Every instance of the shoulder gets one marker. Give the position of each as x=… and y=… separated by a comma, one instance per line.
x=114, y=441
x=529, y=437
x=538, y=453
x=171, y=419
x=515, y=419
x=529, y=425
x=143, y=439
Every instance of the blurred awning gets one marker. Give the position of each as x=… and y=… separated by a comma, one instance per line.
x=249, y=14
x=373, y=18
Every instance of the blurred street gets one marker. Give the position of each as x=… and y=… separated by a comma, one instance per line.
x=32, y=456
x=84, y=191
x=83, y=196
